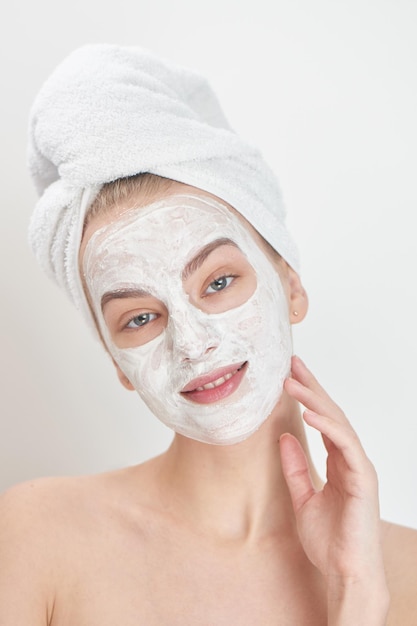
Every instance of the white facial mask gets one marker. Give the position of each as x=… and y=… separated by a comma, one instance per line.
x=147, y=248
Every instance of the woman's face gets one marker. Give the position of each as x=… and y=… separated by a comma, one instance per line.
x=192, y=311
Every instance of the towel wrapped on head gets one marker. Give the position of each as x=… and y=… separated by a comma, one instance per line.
x=109, y=112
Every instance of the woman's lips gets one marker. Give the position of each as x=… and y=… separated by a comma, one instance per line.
x=216, y=385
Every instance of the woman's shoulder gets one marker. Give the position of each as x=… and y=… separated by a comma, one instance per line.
x=38, y=523
x=31, y=508
x=49, y=528
x=46, y=520
x=53, y=499
x=400, y=552
x=62, y=502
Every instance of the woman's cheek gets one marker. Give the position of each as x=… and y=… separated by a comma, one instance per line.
x=156, y=358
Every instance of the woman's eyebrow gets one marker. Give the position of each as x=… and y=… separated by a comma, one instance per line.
x=202, y=255
x=132, y=292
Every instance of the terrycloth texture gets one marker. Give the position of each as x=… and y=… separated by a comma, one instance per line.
x=108, y=112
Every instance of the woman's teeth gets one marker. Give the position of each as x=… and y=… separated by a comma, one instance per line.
x=216, y=383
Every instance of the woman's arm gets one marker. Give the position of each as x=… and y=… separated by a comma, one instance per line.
x=339, y=526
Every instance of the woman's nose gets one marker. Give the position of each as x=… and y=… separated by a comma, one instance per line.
x=191, y=338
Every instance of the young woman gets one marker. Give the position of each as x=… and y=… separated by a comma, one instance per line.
x=189, y=277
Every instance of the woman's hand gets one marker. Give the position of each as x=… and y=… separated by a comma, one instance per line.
x=339, y=525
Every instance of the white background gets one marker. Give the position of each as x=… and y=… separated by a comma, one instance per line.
x=327, y=90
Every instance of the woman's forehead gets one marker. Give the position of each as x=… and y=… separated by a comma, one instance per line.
x=116, y=214
x=172, y=227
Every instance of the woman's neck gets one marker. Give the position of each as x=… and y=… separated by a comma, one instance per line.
x=235, y=492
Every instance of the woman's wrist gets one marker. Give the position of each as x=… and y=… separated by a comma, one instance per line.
x=363, y=602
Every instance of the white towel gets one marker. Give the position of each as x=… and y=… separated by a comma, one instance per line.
x=108, y=112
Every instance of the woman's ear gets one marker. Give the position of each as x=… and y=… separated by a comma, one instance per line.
x=297, y=297
x=123, y=378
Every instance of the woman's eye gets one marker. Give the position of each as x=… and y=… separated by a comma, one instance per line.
x=219, y=283
x=141, y=320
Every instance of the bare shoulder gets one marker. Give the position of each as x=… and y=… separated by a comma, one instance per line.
x=48, y=526
x=400, y=551
x=28, y=507
x=33, y=522
x=63, y=502
x=34, y=515
x=25, y=495
x=45, y=501
x=54, y=507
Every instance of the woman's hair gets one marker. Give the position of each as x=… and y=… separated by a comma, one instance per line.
x=145, y=186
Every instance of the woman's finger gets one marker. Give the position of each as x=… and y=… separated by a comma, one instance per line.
x=328, y=444
x=296, y=471
x=344, y=438
x=318, y=403
x=301, y=373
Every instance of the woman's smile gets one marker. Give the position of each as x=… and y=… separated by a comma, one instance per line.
x=215, y=386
